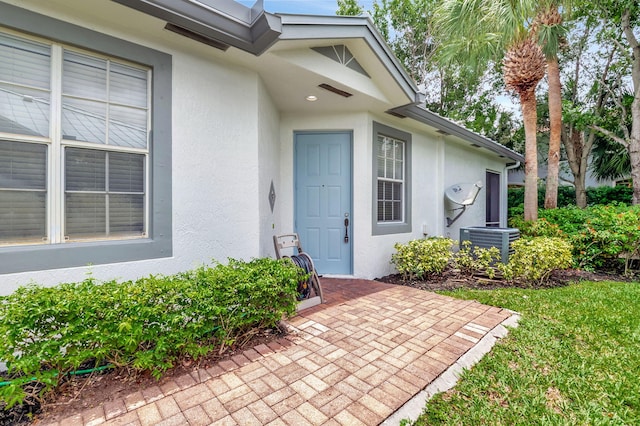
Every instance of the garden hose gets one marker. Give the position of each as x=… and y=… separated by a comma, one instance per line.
x=71, y=373
x=304, y=262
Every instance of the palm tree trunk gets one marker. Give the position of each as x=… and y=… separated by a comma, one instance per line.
x=555, y=118
x=530, y=118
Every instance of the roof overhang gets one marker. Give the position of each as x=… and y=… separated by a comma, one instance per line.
x=224, y=22
x=446, y=127
x=313, y=27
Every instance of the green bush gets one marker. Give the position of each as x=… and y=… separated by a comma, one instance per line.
x=536, y=228
x=603, y=195
x=603, y=237
x=472, y=260
x=147, y=324
x=535, y=258
x=419, y=258
x=609, y=237
x=567, y=196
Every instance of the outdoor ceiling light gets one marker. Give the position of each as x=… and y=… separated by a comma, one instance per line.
x=312, y=98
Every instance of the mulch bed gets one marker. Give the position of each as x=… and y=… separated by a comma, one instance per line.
x=451, y=280
x=83, y=392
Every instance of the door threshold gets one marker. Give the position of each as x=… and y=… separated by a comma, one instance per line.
x=351, y=276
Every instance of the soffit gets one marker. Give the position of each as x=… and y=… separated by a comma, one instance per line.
x=292, y=70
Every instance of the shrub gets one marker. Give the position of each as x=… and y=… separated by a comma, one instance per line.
x=419, y=258
x=610, y=235
x=473, y=260
x=601, y=195
x=536, y=228
x=534, y=259
x=603, y=237
x=145, y=324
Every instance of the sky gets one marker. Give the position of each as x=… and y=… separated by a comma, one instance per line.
x=308, y=7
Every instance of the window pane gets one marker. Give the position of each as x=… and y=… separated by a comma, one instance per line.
x=24, y=62
x=84, y=170
x=23, y=166
x=397, y=191
x=85, y=215
x=397, y=211
x=388, y=191
x=128, y=85
x=23, y=196
x=388, y=211
x=126, y=172
x=398, y=172
x=83, y=120
x=381, y=167
x=127, y=127
x=24, y=111
x=84, y=76
x=22, y=216
x=126, y=214
x=399, y=146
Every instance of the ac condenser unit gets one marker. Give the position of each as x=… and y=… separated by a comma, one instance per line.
x=491, y=237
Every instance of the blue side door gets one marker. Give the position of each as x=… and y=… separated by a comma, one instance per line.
x=323, y=199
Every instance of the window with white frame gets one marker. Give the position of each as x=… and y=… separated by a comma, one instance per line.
x=392, y=180
x=74, y=144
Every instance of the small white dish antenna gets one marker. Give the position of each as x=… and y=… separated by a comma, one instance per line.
x=462, y=195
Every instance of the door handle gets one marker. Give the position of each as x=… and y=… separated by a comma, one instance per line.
x=346, y=229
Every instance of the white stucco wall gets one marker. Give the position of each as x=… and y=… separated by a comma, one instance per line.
x=216, y=178
x=466, y=164
x=269, y=170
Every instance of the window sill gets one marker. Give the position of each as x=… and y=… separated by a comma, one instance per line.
x=40, y=257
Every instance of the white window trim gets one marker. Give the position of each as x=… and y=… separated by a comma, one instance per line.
x=55, y=207
x=394, y=180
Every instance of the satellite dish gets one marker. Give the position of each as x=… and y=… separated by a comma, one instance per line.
x=462, y=194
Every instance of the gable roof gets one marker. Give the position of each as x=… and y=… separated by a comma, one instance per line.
x=225, y=23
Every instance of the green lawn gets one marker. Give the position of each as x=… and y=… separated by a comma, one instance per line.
x=574, y=360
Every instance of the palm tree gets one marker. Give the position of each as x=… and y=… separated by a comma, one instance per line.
x=547, y=28
x=477, y=32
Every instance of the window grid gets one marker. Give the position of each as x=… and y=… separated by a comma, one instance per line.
x=56, y=145
x=391, y=159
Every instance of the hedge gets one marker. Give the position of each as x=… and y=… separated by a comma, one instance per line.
x=145, y=324
x=567, y=196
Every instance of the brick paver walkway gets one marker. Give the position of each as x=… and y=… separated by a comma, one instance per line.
x=352, y=361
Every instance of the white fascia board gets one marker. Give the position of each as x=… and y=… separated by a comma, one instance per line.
x=310, y=27
x=448, y=127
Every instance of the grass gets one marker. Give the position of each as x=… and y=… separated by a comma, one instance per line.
x=573, y=360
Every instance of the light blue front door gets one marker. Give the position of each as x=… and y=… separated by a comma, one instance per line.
x=323, y=199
